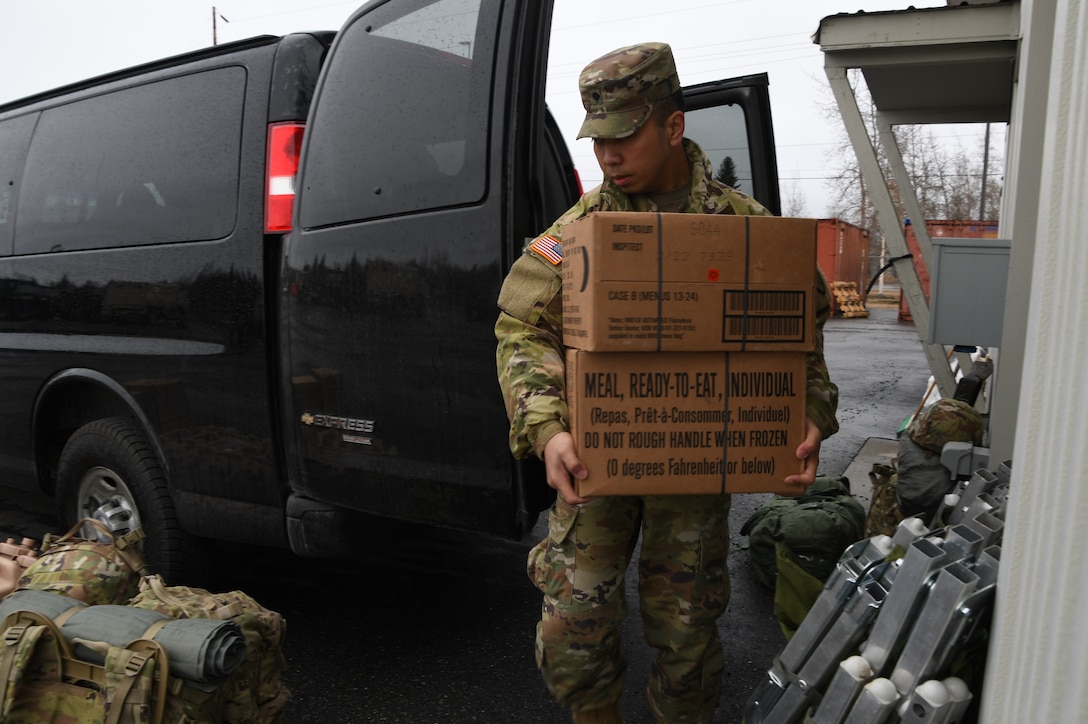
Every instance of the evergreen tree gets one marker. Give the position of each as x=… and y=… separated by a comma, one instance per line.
x=727, y=173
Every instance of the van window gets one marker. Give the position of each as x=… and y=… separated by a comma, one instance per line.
x=151, y=164
x=721, y=130
x=14, y=137
x=382, y=150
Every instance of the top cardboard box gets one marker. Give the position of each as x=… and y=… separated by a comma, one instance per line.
x=653, y=282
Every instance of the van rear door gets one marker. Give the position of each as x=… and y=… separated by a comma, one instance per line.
x=429, y=159
x=731, y=120
x=416, y=186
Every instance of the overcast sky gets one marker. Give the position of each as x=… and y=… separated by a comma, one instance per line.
x=52, y=42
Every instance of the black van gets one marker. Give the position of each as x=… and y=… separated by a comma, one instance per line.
x=247, y=294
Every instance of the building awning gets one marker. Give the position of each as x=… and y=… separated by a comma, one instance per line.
x=953, y=64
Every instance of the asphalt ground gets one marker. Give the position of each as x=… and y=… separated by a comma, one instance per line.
x=431, y=625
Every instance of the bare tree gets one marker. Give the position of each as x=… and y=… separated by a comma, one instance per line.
x=794, y=203
x=948, y=180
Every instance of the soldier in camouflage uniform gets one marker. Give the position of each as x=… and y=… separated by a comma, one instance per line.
x=634, y=114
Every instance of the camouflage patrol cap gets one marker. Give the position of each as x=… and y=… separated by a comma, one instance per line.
x=947, y=420
x=619, y=89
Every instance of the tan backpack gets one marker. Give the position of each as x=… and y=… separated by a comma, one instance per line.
x=252, y=694
x=42, y=680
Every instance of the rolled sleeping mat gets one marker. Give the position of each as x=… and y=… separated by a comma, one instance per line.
x=203, y=652
x=49, y=604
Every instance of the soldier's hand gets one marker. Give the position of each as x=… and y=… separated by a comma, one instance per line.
x=809, y=451
x=561, y=462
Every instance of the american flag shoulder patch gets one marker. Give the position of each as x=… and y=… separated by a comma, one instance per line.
x=549, y=247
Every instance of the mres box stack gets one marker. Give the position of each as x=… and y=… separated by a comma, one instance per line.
x=686, y=422
x=640, y=282
x=725, y=307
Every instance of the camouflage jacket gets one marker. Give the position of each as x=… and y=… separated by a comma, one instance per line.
x=529, y=328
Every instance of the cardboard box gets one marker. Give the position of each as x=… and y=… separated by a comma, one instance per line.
x=687, y=422
x=649, y=282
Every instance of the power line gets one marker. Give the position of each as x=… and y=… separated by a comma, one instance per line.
x=836, y=177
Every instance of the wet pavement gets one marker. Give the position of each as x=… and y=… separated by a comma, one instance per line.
x=431, y=625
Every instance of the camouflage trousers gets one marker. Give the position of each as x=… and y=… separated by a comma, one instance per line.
x=683, y=586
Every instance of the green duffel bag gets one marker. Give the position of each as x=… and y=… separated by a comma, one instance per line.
x=815, y=528
x=795, y=592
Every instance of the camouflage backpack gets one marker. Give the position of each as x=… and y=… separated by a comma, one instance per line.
x=42, y=681
x=107, y=570
x=254, y=693
x=884, y=512
x=815, y=528
x=946, y=420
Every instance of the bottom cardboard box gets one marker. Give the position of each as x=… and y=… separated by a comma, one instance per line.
x=655, y=423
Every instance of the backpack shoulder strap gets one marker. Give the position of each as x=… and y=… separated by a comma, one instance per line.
x=143, y=661
x=18, y=641
x=24, y=631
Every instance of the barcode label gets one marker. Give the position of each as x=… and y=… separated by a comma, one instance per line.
x=764, y=316
x=785, y=302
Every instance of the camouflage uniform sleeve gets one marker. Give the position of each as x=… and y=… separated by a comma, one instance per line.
x=822, y=394
x=529, y=356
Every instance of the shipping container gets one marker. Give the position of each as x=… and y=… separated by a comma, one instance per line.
x=842, y=252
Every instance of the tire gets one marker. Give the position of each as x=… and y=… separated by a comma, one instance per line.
x=109, y=471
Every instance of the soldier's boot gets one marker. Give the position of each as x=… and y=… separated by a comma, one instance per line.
x=608, y=715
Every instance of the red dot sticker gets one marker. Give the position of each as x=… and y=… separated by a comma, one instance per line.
x=712, y=275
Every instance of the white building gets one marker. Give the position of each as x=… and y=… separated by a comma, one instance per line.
x=1024, y=62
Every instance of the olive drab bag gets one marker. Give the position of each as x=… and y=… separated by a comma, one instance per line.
x=107, y=570
x=815, y=528
x=254, y=693
x=795, y=591
x=43, y=682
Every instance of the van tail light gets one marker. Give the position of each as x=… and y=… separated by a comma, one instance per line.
x=281, y=167
x=578, y=181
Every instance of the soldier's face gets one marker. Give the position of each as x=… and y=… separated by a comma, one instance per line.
x=646, y=161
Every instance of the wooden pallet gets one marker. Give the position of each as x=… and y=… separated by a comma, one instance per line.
x=847, y=300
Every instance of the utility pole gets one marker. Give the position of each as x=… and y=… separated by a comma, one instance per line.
x=985, y=171
x=214, y=25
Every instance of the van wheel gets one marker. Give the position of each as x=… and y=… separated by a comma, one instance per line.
x=110, y=472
